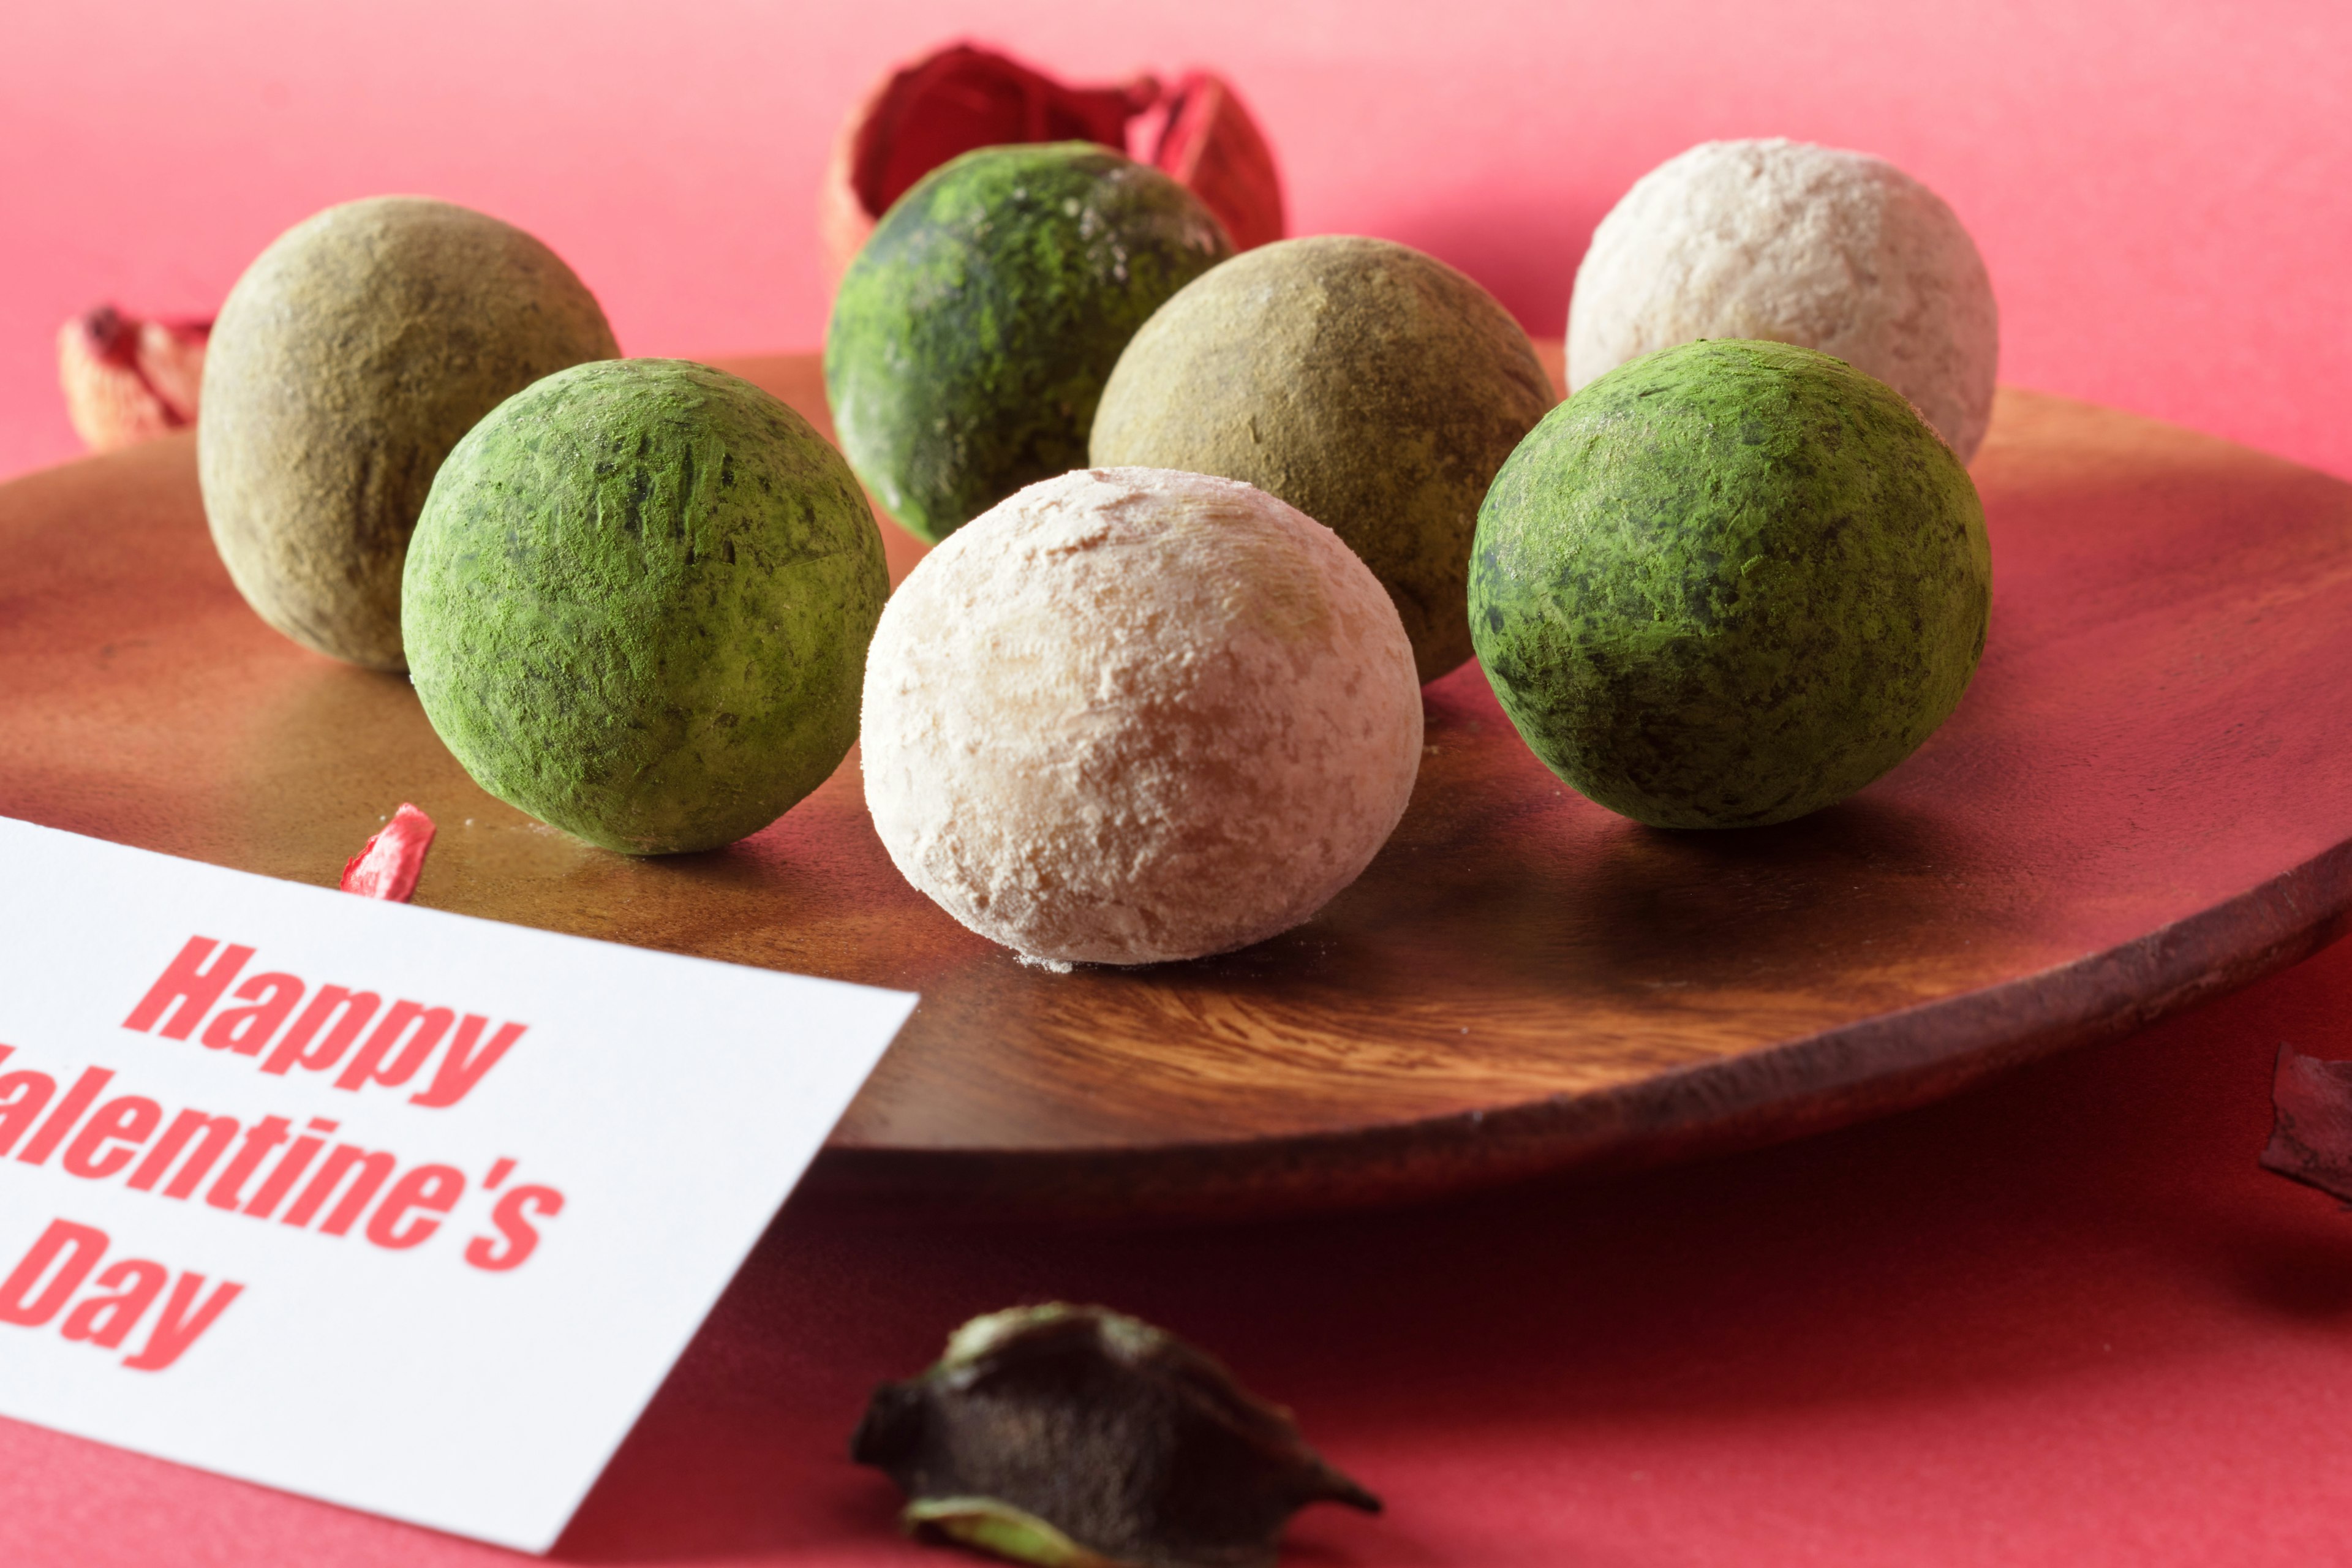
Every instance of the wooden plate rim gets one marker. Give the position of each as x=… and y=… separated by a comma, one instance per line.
x=1888, y=1062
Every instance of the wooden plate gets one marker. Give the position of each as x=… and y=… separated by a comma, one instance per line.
x=2142, y=802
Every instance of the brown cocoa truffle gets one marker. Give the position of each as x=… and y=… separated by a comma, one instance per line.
x=345, y=365
x=1372, y=387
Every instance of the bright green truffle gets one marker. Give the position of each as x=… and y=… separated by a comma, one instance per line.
x=1372, y=387
x=1729, y=583
x=973, y=332
x=638, y=603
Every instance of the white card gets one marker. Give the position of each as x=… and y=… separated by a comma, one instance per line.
x=432, y=1261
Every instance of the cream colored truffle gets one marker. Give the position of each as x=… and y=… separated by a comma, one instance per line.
x=1131, y=714
x=1795, y=244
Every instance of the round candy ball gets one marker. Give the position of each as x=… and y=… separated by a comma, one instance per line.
x=1836, y=251
x=1729, y=583
x=638, y=602
x=348, y=360
x=1372, y=387
x=974, y=331
x=1132, y=715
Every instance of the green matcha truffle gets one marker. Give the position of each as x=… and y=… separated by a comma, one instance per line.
x=1729, y=583
x=972, y=333
x=348, y=360
x=1372, y=387
x=638, y=602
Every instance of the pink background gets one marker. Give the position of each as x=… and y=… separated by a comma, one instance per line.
x=2061, y=1320
x=2163, y=192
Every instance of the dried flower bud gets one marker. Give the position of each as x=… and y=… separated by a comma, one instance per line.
x=962, y=97
x=1075, y=1437
x=125, y=379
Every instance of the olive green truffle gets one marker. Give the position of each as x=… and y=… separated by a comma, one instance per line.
x=638, y=602
x=972, y=333
x=345, y=364
x=1729, y=583
x=1372, y=387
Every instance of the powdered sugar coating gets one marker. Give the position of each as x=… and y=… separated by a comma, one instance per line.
x=1130, y=715
x=1796, y=244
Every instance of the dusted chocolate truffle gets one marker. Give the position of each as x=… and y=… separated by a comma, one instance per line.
x=638, y=602
x=348, y=360
x=973, y=332
x=1729, y=583
x=1131, y=715
x=1836, y=251
x=1372, y=387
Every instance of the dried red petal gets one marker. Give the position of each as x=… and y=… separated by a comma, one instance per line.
x=2311, y=1122
x=947, y=103
x=171, y=357
x=125, y=380
x=962, y=97
x=1208, y=143
x=387, y=867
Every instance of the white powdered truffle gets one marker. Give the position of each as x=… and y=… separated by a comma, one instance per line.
x=1131, y=714
x=1781, y=240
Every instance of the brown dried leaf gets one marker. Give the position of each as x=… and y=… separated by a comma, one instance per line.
x=1077, y=1437
x=2311, y=1122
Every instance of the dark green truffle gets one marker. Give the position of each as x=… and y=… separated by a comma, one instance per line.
x=1372, y=387
x=638, y=603
x=1729, y=583
x=973, y=332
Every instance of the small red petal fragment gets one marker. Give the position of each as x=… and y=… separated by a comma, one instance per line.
x=2311, y=1122
x=1211, y=147
x=125, y=380
x=387, y=867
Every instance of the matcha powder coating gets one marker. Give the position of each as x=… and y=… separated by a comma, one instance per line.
x=637, y=604
x=1729, y=583
x=974, y=332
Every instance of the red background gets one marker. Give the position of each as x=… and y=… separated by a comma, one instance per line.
x=2059, y=1320
x=2160, y=190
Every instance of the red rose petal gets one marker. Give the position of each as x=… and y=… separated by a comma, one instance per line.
x=961, y=97
x=947, y=102
x=1207, y=142
x=387, y=867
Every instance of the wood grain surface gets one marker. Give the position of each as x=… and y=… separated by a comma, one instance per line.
x=2141, y=802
